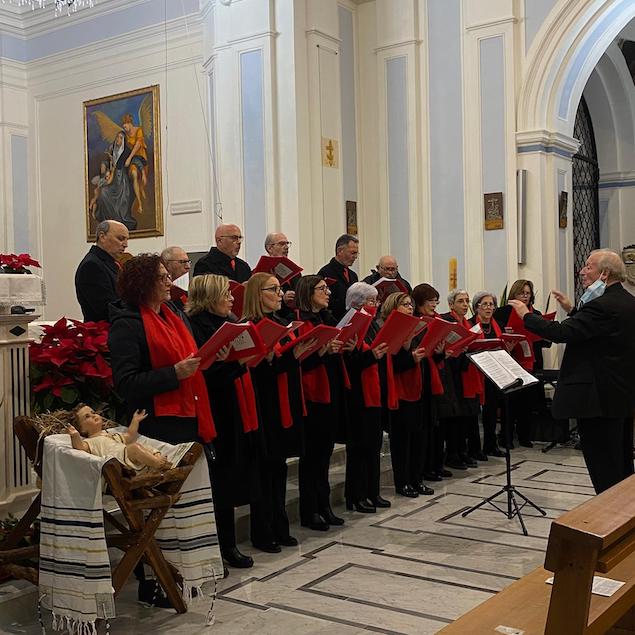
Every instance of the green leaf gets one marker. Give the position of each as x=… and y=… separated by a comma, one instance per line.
x=48, y=400
x=69, y=395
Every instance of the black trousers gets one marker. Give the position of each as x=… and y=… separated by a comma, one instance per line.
x=269, y=520
x=607, y=445
x=313, y=467
x=473, y=436
x=490, y=416
x=407, y=444
x=433, y=463
x=455, y=432
x=362, y=462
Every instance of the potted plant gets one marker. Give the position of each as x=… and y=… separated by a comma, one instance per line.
x=10, y=263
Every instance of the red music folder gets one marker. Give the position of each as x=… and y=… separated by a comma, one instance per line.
x=439, y=331
x=386, y=286
x=522, y=346
x=358, y=325
x=279, y=266
x=398, y=328
x=270, y=333
x=321, y=333
x=481, y=344
x=238, y=291
x=463, y=345
x=242, y=338
x=518, y=326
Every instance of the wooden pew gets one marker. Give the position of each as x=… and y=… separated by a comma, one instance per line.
x=596, y=537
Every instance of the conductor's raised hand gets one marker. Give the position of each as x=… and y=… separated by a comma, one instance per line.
x=187, y=367
x=563, y=300
x=520, y=307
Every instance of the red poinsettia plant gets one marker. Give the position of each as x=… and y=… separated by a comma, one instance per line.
x=10, y=263
x=69, y=365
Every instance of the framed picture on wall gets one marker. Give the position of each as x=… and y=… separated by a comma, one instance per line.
x=122, y=162
x=563, y=204
x=493, y=208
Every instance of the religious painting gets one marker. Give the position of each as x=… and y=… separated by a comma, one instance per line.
x=493, y=203
x=122, y=162
x=563, y=203
x=351, y=218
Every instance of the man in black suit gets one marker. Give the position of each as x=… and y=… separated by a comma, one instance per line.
x=178, y=263
x=223, y=259
x=346, y=251
x=96, y=276
x=596, y=384
x=387, y=267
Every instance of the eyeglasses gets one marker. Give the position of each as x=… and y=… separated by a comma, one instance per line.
x=165, y=277
x=391, y=269
x=324, y=288
x=525, y=293
x=283, y=243
x=407, y=303
x=486, y=305
x=236, y=239
x=275, y=289
x=182, y=262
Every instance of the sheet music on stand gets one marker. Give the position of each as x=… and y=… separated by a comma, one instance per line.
x=502, y=369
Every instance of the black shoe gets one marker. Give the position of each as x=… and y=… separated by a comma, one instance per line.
x=330, y=517
x=288, y=541
x=423, y=489
x=526, y=443
x=150, y=593
x=270, y=546
x=360, y=506
x=502, y=443
x=225, y=572
x=495, y=452
x=315, y=522
x=455, y=463
x=407, y=491
x=469, y=461
x=445, y=473
x=380, y=502
x=238, y=560
x=431, y=476
x=479, y=456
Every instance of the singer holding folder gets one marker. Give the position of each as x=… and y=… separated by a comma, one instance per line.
x=279, y=386
x=324, y=381
x=235, y=472
x=364, y=442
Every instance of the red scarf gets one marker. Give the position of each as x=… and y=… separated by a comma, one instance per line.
x=246, y=402
x=409, y=384
x=436, y=385
x=516, y=324
x=392, y=397
x=169, y=341
x=371, y=389
x=494, y=324
x=471, y=378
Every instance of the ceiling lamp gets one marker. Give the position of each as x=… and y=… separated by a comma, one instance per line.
x=61, y=6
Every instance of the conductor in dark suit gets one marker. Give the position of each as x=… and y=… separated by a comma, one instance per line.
x=223, y=259
x=596, y=384
x=96, y=276
x=346, y=251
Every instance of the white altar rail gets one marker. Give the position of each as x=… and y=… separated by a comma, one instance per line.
x=17, y=480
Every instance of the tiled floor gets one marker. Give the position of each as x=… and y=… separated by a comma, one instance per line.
x=410, y=569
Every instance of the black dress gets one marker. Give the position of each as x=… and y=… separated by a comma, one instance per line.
x=275, y=381
x=235, y=472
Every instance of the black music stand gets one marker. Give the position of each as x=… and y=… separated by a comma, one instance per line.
x=513, y=508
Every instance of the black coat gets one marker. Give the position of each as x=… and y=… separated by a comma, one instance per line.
x=374, y=276
x=237, y=452
x=501, y=315
x=280, y=442
x=597, y=375
x=337, y=302
x=219, y=263
x=96, y=284
x=137, y=382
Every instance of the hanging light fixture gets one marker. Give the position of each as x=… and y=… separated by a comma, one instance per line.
x=61, y=6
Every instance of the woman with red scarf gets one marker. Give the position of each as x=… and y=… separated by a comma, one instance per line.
x=522, y=401
x=155, y=369
x=407, y=426
x=467, y=384
x=483, y=305
x=278, y=383
x=426, y=299
x=324, y=381
x=239, y=441
x=364, y=442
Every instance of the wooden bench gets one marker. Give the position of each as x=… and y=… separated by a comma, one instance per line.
x=596, y=537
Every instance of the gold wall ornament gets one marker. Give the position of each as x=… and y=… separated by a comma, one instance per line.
x=563, y=203
x=330, y=153
x=493, y=205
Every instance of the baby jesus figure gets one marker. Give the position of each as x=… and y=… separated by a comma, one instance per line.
x=91, y=437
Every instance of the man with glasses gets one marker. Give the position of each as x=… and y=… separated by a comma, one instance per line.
x=178, y=263
x=338, y=269
x=387, y=267
x=277, y=245
x=223, y=259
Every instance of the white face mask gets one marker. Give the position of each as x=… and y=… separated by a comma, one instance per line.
x=593, y=291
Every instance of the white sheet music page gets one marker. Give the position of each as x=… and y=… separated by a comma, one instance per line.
x=502, y=369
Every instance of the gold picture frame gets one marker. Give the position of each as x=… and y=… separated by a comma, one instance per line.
x=122, y=162
x=494, y=211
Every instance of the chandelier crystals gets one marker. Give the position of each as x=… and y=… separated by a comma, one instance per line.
x=61, y=6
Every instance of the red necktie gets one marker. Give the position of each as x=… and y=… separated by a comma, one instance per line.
x=233, y=264
x=346, y=274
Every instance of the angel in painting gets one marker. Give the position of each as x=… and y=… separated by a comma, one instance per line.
x=136, y=150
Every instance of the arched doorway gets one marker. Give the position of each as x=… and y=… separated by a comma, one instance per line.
x=585, y=204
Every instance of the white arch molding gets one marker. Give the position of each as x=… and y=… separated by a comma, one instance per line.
x=560, y=61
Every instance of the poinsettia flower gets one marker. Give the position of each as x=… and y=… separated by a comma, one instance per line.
x=53, y=383
x=18, y=263
x=59, y=329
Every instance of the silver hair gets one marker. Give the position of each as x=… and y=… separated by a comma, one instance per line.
x=359, y=293
x=452, y=295
x=611, y=262
x=269, y=239
x=168, y=252
x=478, y=297
x=102, y=228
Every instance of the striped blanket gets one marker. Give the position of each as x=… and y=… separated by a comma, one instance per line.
x=75, y=578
